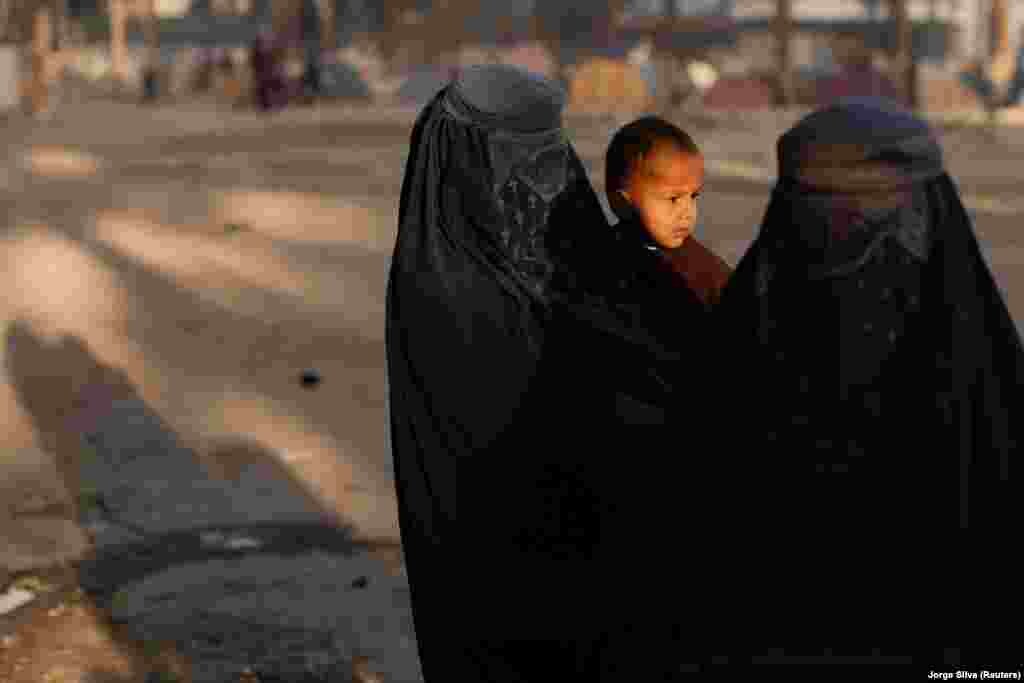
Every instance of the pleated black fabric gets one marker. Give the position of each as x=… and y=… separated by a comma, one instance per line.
x=636, y=364
x=489, y=173
x=875, y=368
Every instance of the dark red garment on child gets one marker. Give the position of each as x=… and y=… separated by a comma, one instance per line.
x=703, y=271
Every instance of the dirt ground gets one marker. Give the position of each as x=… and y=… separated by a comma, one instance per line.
x=205, y=258
x=204, y=266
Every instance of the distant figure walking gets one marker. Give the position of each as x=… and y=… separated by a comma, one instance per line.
x=150, y=77
x=278, y=76
x=1015, y=95
x=858, y=77
x=311, y=77
x=204, y=71
x=265, y=69
x=257, y=64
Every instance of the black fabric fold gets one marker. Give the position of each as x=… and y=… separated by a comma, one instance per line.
x=545, y=358
x=869, y=388
x=473, y=394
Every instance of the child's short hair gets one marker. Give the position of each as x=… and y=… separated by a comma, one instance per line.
x=634, y=141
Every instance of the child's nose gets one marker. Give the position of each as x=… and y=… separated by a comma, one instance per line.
x=686, y=210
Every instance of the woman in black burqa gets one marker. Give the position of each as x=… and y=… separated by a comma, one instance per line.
x=870, y=414
x=469, y=306
x=876, y=370
x=871, y=408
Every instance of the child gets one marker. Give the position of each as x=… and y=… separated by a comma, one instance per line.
x=654, y=175
x=647, y=378
x=653, y=284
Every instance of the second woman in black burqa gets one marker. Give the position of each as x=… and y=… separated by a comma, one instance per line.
x=877, y=372
x=871, y=418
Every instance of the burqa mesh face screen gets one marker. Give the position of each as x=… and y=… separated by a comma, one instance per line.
x=528, y=158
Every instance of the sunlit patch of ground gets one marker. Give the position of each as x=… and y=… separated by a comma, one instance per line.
x=305, y=217
x=61, y=162
x=739, y=169
x=315, y=460
x=60, y=638
x=57, y=288
x=994, y=205
x=18, y=429
x=1007, y=116
x=35, y=510
x=235, y=267
x=85, y=648
x=211, y=261
x=1004, y=255
x=58, y=284
x=60, y=289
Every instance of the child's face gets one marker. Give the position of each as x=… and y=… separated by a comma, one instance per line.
x=663, y=190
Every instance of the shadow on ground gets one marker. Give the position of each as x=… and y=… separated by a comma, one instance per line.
x=214, y=370
x=230, y=560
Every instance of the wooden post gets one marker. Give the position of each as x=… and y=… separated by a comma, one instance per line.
x=783, y=40
x=453, y=18
x=281, y=14
x=999, y=41
x=437, y=30
x=152, y=27
x=328, y=23
x=42, y=31
x=60, y=19
x=544, y=34
x=1002, y=61
x=42, y=43
x=118, y=41
x=152, y=66
x=671, y=90
x=5, y=19
x=616, y=10
x=390, y=34
x=902, y=51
